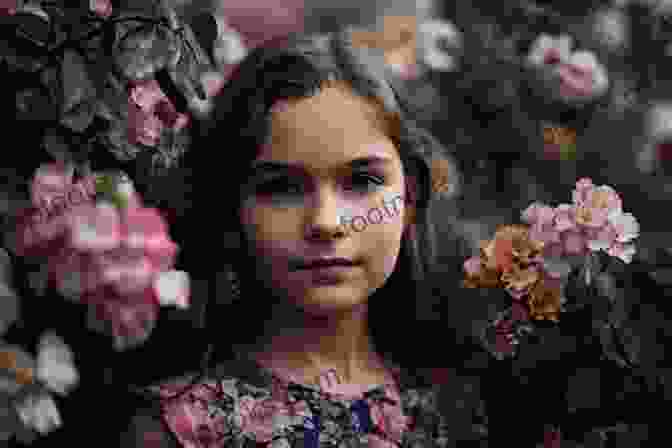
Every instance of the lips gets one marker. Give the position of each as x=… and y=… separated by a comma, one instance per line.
x=323, y=263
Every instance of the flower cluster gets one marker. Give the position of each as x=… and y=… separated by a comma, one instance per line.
x=150, y=112
x=114, y=254
x=532, y=261
x=27, y=386
x=575, y=75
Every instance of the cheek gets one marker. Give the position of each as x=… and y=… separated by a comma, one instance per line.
x=269, y=227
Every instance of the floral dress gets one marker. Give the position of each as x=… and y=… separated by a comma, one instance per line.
x=243, y=404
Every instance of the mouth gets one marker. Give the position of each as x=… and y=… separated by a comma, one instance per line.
x=324, y=263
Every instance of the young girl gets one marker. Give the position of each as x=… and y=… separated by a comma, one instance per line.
x=313, y=200
x=315, y=188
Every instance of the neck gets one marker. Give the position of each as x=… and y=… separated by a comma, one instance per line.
x=310, y=344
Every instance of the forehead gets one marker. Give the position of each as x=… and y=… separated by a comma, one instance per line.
x=336, y=125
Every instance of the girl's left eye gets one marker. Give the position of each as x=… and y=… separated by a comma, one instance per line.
x=367, y=181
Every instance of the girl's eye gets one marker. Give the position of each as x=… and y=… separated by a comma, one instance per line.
x=278, y=186
x=365, y=181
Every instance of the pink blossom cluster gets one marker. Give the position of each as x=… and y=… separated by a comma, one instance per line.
x=150, y=112
x=578, y=73
x=117, y=260
x=594, y=221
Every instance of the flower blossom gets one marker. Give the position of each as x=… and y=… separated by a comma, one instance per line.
x=102, y=8
x=30, y=384
x=439, y=41
x=577, y=74
x=117, y=259
x=150, y=111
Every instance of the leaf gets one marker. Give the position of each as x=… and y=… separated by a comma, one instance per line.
x=32, y=23
x=77, y=89
x=144, y=51
x=57, y=145
x=35, y=104
x=9, y=302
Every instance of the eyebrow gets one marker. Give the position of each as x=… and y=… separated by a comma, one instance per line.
x=272, y=166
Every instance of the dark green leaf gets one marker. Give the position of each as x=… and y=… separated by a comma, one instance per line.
x=143, y=52
x=77, y=87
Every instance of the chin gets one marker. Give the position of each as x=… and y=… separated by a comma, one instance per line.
x=333, y=298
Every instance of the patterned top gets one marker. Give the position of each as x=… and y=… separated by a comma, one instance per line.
x=244, y=404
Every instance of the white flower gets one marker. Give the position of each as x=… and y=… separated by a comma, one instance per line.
x=574, y=75
x=39, y=412
x=626, y=226
x=611, y=29
x=438, y=41
x=172, y=288
x=55, y=364
x=583, y=76
x=547, y=50
x=659, y=121
x=229, y=48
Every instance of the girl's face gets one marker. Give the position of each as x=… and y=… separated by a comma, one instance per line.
x=330, y=184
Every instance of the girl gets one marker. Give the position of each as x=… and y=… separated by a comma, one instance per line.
x=316, y=189
x=313, y=200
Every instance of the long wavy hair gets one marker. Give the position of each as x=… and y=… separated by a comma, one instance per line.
x=298, y=66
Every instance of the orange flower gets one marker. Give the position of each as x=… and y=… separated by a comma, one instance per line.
x=511, y=245
x=7, y=360
x=520, y=279
x=484, y=278
x=24, y=375
x=544, y=301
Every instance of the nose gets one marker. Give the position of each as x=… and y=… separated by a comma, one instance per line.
x=323, y=218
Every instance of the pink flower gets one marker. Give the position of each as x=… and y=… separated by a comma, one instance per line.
x=622, y=251
x=102, y=8
x=147, y=95
x=538, y=213
x=52, y=189
x=552, y=438
x=126, y=272
x=167, y=113
x=131, y=323
x=602, y=238
x=74, y=273
x=582, y=76
x=504, y=338
x=579, y=74
x=376, y=441
x=574, y=242
x=541, y=219
x=49, y=182
x=144, y=229
x=594, y=205
x=94, y=227
x=192, y=421
x=213, y=82
x=38, y=236
x=473, y=266
x=143, y=127
x=389, y=418
x=564, y=218
x=257, y=416
x=8, y=7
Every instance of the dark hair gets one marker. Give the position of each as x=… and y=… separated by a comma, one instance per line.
x=294, y=67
